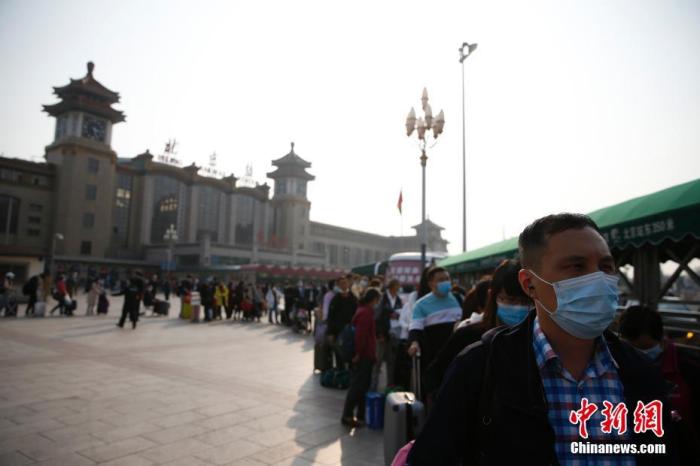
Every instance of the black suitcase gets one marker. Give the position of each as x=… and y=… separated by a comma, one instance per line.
x=161, y=308
x=322, y=357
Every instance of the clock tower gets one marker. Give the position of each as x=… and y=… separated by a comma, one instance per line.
x=290, y=222
x=84, y=163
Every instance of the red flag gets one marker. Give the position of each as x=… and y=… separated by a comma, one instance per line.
x=400, y=201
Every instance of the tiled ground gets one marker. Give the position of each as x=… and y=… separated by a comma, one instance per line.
x=79, y=391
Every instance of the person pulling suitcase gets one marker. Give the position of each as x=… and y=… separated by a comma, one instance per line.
x=363, y=359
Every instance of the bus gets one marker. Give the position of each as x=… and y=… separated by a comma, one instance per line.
x=406, y=267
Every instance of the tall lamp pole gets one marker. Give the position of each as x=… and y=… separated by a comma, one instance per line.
x=463, y=56
x=420, y=125
x=49, y=263
x=171, y=238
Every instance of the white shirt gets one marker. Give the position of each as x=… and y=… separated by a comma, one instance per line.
x=406, y=315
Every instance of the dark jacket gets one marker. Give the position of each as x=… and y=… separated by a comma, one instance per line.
x=206, y=293
x=340, y=312
x=506, y=422
x=291, y=298
x=460, y=339
x=365, y=333
x=383, y=321
x=133, y=293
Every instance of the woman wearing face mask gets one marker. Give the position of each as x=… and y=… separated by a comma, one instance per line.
x=506, y=304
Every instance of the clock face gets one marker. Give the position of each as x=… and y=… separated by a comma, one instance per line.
x=94, y=128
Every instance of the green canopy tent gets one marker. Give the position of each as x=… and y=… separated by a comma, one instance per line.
x=643, y=232
x=370, y=270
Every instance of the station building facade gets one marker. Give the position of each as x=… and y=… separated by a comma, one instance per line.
x=112, y=211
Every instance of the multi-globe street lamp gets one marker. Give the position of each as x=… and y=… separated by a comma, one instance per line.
x=422, y=125
x=463, y=56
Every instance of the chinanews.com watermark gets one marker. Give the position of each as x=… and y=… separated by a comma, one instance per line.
x=647, y=418
x=587, y=448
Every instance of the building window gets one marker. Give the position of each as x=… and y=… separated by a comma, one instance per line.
x=33, y=232
x=36, y=207
x=61, y=126
x=93, y=165
x=346, y=256
x=122, y=209
x=301, y=188
x=170, y=197
x=333, y=254
x=88, y=220
x=368, y=256
x=86, y=248
x=39, y=180
x=208, y=212
x=280, y=187
x=10, y=175
x=9, y=213
x=246, y=208
x=90, y=192
x=34, y=220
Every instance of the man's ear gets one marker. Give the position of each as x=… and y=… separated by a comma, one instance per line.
x=525, y=280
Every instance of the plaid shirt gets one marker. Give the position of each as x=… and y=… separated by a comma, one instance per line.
x=600, y=382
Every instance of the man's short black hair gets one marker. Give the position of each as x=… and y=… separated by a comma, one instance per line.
x=636, y=321
x=533, y=240
x=434, y=271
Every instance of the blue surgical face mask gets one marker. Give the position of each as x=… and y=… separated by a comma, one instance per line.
x=511, y=314
x=586, y=305
x=443, y=288
x=654, y=352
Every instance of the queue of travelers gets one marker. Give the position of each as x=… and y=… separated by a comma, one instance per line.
x=505, y=366
x=534, y=374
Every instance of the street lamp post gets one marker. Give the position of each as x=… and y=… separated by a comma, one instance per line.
x=171, y=238
x=463, y=56
x=49, y=263
x=420, y=125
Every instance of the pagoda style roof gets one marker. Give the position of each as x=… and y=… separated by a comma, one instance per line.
x=291, y=166
x=429, y=225
x=86, y=94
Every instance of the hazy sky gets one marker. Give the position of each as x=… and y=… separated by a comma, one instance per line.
x=570, y=105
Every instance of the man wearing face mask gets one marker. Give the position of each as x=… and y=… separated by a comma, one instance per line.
x=508, y=398
x=434, y=316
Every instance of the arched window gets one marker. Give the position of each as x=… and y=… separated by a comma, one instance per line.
x=208, y=212
x=169, y=206
x=246, y=208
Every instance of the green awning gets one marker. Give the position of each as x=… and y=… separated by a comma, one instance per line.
x=672, y=213
x=669, y=214
x=370, y=270
x=485, y=258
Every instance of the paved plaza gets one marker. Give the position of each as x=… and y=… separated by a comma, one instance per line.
x=80, y=391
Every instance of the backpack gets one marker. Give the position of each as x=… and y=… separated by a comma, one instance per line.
x=335, y=378
x=346, y=341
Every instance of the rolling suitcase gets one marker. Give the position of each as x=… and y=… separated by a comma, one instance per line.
x=374, y=410
x=39, y=309
x=404, y=416
x=161, y=308
x=321, y=359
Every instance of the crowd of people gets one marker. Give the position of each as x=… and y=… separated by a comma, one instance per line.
x=504, y=365
x=537, y=375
